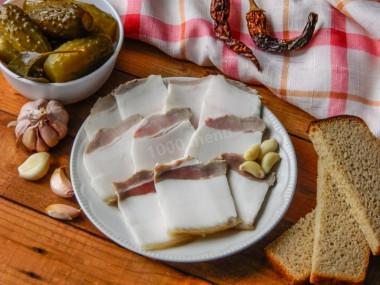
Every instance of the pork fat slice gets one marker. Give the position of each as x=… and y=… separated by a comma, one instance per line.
x=227, y=97
x=141, y=96
x=194, y=197
x=162, y=138
x=188, y=94
x=247, y=191
x=138, y=203
x=227, y=134
x=108, y=157
x=104, y=114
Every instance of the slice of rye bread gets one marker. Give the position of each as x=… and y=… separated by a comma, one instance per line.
x=352, y=154
x=290, y=254
x=341, y=253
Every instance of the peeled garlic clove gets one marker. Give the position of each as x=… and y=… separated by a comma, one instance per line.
x=60, y=183
x=29, y=138
x=269, y=160
x=35, y=167
x=48, y=134
x=62, y=211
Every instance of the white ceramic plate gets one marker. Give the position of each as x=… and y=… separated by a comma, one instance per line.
x=109, y=220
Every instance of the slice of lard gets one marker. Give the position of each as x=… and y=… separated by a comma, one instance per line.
x=188, y=94
x=104, y=114
x=141, y=96
x=226, y=134
x=108, y=158
x=228, y=97
x=248, y=192
x=162, y=138
x=138, y=203
x=195, y=197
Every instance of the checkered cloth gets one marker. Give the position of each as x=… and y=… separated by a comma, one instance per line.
x=337, y=73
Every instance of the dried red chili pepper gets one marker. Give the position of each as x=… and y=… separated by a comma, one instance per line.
x=259, y=30
x=220, y=10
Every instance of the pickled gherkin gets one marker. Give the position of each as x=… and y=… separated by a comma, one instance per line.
x=20, y=31
x=7, y=53
x=94, y=51
x=103, y=23
x=61, y=20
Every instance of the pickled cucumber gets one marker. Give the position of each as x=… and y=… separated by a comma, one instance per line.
x=103, y=23
x=7, y=53
x=94, y=51
x=20, y=31
x=61, y=20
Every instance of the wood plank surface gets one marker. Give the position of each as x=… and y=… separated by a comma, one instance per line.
x=36, y=249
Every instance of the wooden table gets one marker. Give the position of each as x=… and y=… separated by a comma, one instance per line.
x=37, y=249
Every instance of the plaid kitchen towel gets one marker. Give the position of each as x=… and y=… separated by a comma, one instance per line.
x=337, y=73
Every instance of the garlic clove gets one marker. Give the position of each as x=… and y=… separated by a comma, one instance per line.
x=48, y=134
x=60, y=183
x=41, y=146
x=60, y=128
x=62, y=211
x=57, y=117
x=35, y=167
x=29, y=138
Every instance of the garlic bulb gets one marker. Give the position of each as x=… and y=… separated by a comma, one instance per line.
x=41, y=124
x=60, y=183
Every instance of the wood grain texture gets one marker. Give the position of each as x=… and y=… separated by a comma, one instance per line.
x=36, y=249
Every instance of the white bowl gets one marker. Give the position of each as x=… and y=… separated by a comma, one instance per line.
x=75, y=90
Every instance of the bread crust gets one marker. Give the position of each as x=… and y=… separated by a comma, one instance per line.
x=283, y=271
x=344, y=118
x=321, y=279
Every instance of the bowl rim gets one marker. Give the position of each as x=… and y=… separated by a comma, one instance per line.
x=117, y=47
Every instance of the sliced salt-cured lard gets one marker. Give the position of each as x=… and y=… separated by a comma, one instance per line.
x=188, y=93
x=227, y=97
x=247, y=191
x=104, y=114
x=108, y=158
x=138, y=203
x=162, y=138
x=195, y=197
x=226, y=134
x=141, y=96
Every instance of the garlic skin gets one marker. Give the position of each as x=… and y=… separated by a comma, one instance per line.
x=60, y=183
x=35, y=167
x=47, y=119
x=62, y=211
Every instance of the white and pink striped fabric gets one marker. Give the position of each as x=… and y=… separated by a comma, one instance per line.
x=337, y=73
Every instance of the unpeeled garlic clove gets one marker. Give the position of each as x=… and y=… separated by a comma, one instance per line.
x=29, y=138
x=48, y=134
x=60, y=183
x=62, y=211
x=41, y=146
x=35, y=167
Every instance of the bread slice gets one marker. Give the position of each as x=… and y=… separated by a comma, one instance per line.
x=352, y=154
x=290, y=254
x=341, y=253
